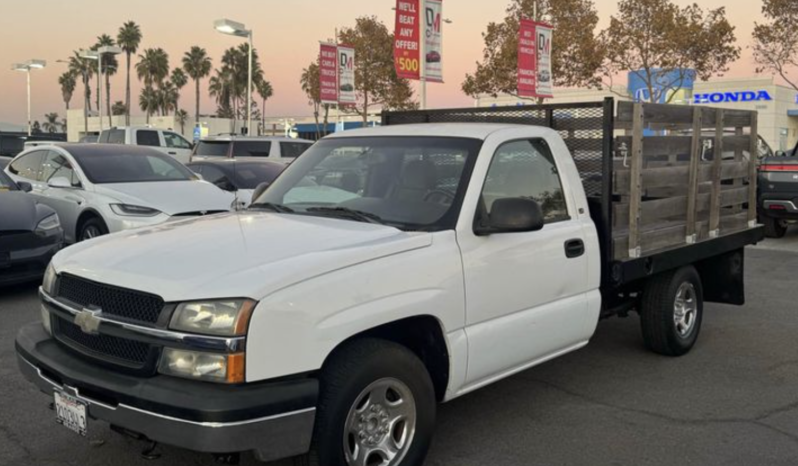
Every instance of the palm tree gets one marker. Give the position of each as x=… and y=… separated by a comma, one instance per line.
x=129, y=38
x=167, y=98
x=265, y=91
x=110, y=66
x=149, y=101
x=68, y=84
x=220, y=87
x=311, y=86
x=153, y=67
x=197, y=65
x=119, y=108
x=83, y=67
x=51, y=123
x=181, y=116
x=64, y=125
x=179, y=81
x=37, y=127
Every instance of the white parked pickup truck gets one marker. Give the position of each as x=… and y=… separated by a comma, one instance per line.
x=384, y=271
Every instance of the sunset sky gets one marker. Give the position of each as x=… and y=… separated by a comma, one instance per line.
x=286, y=36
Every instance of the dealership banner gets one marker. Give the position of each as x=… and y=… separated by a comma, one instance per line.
x=433, y=40
x=328, y=74
x=407, y=39
x=534, y=59
x=346, y=76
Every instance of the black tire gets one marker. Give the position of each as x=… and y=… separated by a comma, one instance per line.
x=661, y=333
x=345, y=376
x=92, y=228
x=774, y=228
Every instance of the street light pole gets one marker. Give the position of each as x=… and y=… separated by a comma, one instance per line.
x=233, y=28
x=27, y=67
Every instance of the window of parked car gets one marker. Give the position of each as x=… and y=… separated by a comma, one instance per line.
x=129, y=167
x=251, y=148
x=28, y=166
x=293, y=149
x=175, y=141
x=213, y=148
x=55, y=165
x=112, y=136
x=526, y=169
x=147, y=138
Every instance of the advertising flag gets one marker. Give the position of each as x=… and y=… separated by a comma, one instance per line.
x=328, y=73
x=534, y=59
x=346, y=76
x=407, y=39
x=433, y=40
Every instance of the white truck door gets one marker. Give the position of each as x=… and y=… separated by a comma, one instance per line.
x=177, y=147
x=526, y=293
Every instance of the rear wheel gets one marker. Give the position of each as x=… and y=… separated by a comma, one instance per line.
x=92, y=228
x=774, y=228
x=671, y=311
x=376, y=408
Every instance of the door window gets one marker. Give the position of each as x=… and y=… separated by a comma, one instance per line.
x=293, y=149
x=175, y=141
x=147, y=138
x=28, y=166
x=251, y=148
x=56, y=165
x=526, y=169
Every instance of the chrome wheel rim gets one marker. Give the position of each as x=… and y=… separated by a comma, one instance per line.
x=380, y=425
x=685, y=309
x=90, y=232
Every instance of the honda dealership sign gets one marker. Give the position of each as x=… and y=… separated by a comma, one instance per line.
x=433, y=40
x=534, y=60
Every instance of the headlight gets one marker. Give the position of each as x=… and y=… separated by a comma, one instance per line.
x=229, y=317
x=126, y=210
x=210, y=367
x=46, y=323
x=48, y=225
x=48, y=284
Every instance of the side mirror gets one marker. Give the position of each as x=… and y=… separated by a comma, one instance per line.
x=24, y=186
x=260, y=189
x=59, y=182
x=781, y=153
x=512, y=215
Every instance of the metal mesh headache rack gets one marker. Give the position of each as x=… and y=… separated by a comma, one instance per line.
x=652, y=181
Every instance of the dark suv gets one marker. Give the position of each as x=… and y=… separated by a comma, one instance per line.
x=778, y=192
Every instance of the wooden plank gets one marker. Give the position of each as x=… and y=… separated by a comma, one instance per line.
x=677, y=176
x=734, y=171
x=733, y=196
x=733, y=223
x=635, y=187
x=752, y=174
x=692, y=190
x=714, y=210
x=738, y=157
x=667, y=116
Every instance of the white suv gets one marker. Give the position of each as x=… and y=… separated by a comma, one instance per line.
x=166, y=141
x=278, y=149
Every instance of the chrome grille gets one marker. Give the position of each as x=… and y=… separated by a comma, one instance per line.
x=120, y=302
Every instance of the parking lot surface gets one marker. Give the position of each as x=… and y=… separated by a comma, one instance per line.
x=732, y=401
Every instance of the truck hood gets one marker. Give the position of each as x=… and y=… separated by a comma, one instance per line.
x=170, y=197
x=235, y=255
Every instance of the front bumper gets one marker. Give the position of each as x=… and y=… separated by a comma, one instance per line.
x=29, y=257
x=273, y=419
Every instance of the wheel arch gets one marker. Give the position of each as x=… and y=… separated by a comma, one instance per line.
x=424, y=336
x=84, y=217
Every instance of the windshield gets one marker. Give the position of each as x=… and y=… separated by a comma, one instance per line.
x=123, y=167
x=250, y=175
x=213, y=148
x=410, y=183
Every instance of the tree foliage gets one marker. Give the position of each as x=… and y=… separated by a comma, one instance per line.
x=68, y=83
x=376, y=81
x=310, y=81
x=197, y=64
x=776, y=41
x=661, y=43
x=576, y=54
x=51, y=123
x=129, y=39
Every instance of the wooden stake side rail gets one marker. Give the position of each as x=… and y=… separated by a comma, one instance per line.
x=682, y=175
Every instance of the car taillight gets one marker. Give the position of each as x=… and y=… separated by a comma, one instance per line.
x=779, y=168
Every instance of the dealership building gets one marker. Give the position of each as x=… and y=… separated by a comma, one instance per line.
x=777, y=104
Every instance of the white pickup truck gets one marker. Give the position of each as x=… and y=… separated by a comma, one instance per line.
x=412, y=265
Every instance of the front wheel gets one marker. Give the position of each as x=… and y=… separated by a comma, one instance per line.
x=774, y=227
x=92, y=228
x=671, y=311
x=376, y=408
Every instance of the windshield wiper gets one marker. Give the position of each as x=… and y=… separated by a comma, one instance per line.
x=347, y=213
x=271, y=206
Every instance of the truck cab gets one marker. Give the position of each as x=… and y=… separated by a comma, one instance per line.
x=167, y=141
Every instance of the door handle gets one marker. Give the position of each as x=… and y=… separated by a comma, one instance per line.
x=172, y=153
x=574, y=248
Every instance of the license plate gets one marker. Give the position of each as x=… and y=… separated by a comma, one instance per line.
x=71, y=413
x=5, y=260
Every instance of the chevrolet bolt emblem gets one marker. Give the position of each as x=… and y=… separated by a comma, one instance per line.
x=89, y=320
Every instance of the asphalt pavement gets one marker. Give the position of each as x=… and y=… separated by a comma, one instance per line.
x=732, y=401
